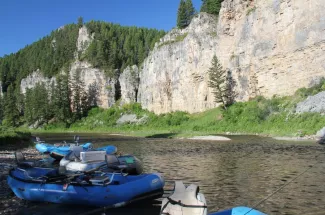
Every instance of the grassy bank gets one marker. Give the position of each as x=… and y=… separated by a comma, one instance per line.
x=274, y=117
x=12, y=136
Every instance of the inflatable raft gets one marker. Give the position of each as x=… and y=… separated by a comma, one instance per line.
x=48, y=148
x=60, y=152
x=78, y=160
x=189, y=201
x=94, y=189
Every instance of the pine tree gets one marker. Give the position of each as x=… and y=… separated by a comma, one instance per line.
x=77, y=87
x=182, y=15
x=28, y=111
x=204, y=6
x=211, y=6
x=80, y=21
x=219, y=83
x=11, y=113
x=41, y=104
x=62, y=101
x=190, y=11
x=1, y=108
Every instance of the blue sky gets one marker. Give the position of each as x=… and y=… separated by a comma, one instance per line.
x=22, y=22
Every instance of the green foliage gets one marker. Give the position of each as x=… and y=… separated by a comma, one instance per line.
x=80, y=22
x=185, y=14
x=260, y=115
x=170, y=119
x=9, y=135
x=190, y=11
x=11, y=113
x=222, y=84
x=178, y=38
x=80, y=102
x=116, y=47
x=250, y=10
x=182, y=15
x=211, y=6
x=37, y=105
x=1, y=108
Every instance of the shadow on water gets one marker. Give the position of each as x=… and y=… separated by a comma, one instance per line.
x=165, y=135
x=138, y=208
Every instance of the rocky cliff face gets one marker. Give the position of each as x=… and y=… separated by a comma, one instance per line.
x=33, y=79
x=129, y=82
x=174, y=76
x=101, y=88
x=271, y=48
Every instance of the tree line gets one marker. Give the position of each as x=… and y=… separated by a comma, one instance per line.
x=66, y=101
x=186, y=11
x=116, y=47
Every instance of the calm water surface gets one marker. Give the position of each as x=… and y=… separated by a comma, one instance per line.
x=239, y=172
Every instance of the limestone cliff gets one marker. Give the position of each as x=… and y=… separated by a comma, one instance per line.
x=271, y=48
x=33, y=79
x=174, y=75
x=100, y=87
x=129, y=81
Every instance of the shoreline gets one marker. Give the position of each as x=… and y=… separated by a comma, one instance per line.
x=180, y=135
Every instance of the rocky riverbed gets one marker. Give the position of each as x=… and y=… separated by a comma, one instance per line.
x=9, y=203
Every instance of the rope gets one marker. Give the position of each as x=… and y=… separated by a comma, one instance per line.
x=283, y=186
x=173, y=202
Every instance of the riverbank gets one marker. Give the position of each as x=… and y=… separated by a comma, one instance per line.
x=275, y=117
x=12, y=136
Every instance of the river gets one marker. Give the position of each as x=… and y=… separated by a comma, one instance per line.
x=240, y=172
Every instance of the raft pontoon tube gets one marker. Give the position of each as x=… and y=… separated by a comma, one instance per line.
x=94, y=189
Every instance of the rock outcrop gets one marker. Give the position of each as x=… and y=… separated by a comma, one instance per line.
x=271, y=48
x=174, y=76
x=84, y=40
x=129, y=82
x=33, y=79
x=314, y=104
x=101, y=88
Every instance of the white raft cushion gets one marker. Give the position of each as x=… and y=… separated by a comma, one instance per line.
x=92, y=156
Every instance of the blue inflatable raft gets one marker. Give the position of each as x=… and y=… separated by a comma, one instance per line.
x=60, y=152
x=48, y=148
x=94, y=189
x=239, y=211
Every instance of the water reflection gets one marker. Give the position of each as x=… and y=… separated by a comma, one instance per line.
x=240, y=172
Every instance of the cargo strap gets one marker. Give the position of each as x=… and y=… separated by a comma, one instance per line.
x=173, y=202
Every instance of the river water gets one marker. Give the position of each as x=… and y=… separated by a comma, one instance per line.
x=241, y=172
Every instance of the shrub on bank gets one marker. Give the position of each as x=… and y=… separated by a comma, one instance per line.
x=9, y=135
x=274, y=116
